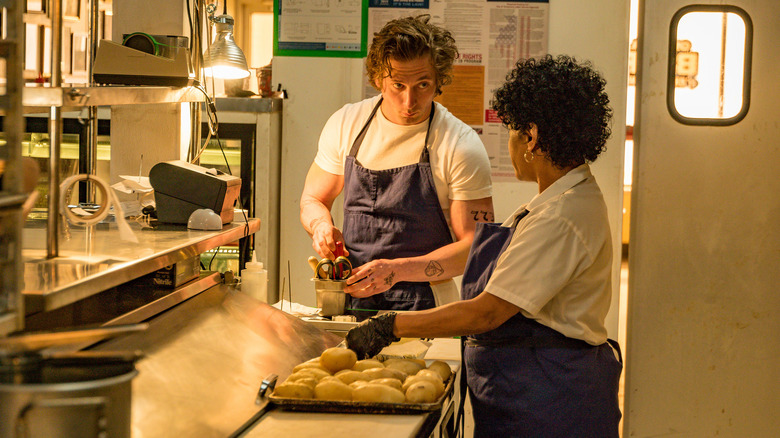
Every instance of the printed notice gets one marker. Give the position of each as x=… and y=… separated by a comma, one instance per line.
x=320, y=28
x=491, y=37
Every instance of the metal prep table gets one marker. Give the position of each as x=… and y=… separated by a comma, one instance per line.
x=207, y=347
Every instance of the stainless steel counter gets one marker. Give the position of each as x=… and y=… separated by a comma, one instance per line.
x=205, y=359
x=95, y=259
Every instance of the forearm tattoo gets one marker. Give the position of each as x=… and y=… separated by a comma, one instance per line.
x=314, y=222
x=389, y=279
x=434, y=269
x=482, y=215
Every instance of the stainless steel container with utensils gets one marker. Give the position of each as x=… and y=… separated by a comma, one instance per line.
x=330, y=296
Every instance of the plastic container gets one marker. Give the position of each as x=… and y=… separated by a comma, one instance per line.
x=254, y=281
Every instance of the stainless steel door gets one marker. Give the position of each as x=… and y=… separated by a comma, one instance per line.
x=702, y=321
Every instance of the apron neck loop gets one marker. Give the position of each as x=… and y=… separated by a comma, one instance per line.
x=424, y=157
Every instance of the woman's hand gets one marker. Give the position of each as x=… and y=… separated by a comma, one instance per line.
x=372, y=278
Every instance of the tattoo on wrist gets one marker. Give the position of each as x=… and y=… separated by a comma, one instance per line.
x=314, y=223
x=434, y=269
x=389, y=279
x=482, y=215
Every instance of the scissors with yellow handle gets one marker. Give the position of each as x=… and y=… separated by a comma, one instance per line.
x=338, y=269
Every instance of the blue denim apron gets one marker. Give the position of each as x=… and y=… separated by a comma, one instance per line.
x=528, y=380
x=391, y=214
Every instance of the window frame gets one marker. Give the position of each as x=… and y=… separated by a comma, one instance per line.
x=672, y=65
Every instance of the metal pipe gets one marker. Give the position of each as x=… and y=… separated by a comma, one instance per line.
x=92, y=127
x=55, y=133
x=197, y=51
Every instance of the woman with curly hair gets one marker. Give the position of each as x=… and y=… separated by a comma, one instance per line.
x=536, y=288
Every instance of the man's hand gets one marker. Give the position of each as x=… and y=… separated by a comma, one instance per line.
x=324, y=237
x=372, y=278
x=372, y=335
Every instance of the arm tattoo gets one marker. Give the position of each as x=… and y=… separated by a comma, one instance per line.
x=389, y=279
x=482, y=216
x=434, y=269
x=314, y=222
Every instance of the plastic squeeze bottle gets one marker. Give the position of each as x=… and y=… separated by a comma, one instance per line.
x=254, y=280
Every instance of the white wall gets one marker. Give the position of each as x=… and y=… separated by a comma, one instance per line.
x=595, y=30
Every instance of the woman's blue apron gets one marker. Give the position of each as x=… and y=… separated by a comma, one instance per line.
x=528, y=380
x=391, y=214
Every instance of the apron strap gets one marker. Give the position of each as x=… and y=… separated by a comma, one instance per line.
x=460, y=418
x=425, y=156
x=362, y=134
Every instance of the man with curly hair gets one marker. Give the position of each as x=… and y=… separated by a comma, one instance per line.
x=536, y=289
x=412, y=174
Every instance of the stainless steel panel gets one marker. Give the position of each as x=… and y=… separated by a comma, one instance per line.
x=75, y=96
x=205, y=359
x=92, y=261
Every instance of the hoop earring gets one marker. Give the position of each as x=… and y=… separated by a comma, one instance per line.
x=525, y=156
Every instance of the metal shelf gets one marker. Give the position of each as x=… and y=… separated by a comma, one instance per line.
x=76, y=96
x=93, y=260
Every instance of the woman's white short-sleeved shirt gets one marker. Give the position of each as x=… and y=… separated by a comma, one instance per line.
x=557, y=267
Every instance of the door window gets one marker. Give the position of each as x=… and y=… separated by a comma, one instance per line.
x=709, y=65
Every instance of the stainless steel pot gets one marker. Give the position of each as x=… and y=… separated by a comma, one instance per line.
x=79, y=394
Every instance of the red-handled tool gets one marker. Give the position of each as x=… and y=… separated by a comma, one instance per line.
x=339, y=252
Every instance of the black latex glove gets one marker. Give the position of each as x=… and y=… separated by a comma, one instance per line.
x=372, y=335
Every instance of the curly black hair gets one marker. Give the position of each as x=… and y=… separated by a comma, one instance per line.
x=407, y=38
x=565, y=100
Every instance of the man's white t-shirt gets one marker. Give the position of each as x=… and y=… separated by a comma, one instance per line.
x=459, y=162
x=557, y=267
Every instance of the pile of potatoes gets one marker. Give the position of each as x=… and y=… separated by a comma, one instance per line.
x=338, y=375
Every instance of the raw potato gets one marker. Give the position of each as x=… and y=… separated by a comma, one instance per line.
x=421, y=391
x=358, y=383
x=376, y=393
x=395, y=383
x=309, y=365
x=382, y=373
x=442, y=368
x=406, y=366
x=332, y=389
x=314, y=372
x=305, y=379
x=349, y=376
x=430, y=373
x=294, y=390
x=437, y=383
x=337, y=359
x=367, y=364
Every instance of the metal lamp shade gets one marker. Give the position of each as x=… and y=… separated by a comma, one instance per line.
x=224, y=59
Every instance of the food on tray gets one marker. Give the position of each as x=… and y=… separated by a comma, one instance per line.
x=436, y=381
x=382, y=373
x=442, y=368
x=406, y=366
x=421, y=391
x=314, y=372
x=337, y=375
x=294, y=390
x=367, y=364
x=376, y=393
x=395, y=383
x=337, y=359
x=332, y=389
x=349, y=376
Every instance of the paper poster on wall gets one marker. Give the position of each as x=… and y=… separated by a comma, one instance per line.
x=491, y=37
x=320, y=28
